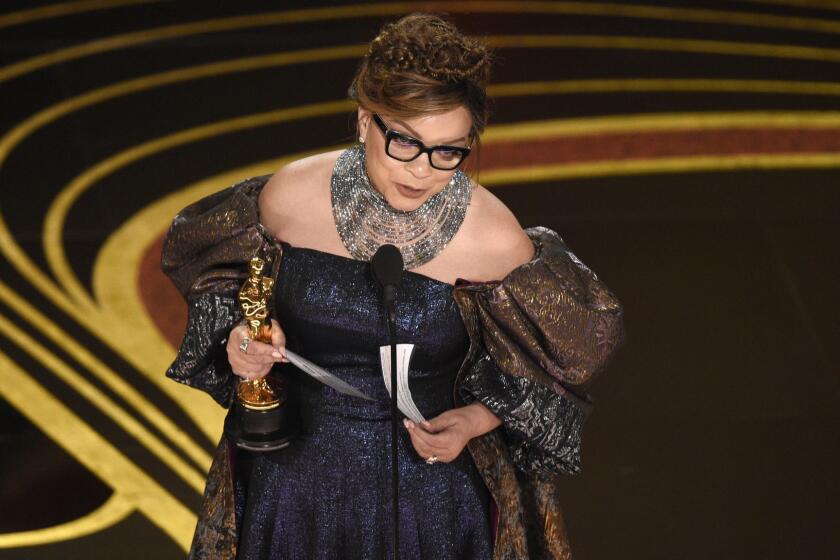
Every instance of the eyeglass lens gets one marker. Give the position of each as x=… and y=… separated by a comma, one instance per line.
x=406, y=149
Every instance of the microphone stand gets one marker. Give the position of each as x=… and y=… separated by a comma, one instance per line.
x=387, y=268
x=392, y=333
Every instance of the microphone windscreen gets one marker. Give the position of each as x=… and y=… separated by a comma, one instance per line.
x=387, y=264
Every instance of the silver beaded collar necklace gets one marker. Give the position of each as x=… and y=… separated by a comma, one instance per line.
x=365, y=221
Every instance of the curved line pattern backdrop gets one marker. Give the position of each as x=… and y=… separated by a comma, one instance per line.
x=616, y=123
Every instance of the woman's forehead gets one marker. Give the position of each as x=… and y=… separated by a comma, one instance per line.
x=441, y=128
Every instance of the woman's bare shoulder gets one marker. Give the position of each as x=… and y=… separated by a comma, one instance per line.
x=494, y=233
x=295, y=187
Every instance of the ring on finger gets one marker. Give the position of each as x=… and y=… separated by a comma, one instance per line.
x=243, y=346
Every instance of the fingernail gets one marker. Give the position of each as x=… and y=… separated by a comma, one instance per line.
x=276, y=354
x=426, y=423
x=405, y=422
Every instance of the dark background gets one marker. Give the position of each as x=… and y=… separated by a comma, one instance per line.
x=715, y=429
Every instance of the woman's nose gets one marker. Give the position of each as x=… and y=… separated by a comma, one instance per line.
x=420, y=167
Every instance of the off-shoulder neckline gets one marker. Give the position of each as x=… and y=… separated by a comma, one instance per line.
x=287, y=245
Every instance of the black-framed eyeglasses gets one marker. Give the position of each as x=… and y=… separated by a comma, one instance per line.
x=407, y=148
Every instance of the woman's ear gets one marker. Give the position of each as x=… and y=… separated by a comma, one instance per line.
x=363, y=123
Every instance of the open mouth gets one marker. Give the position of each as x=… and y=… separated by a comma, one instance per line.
x=409, y=192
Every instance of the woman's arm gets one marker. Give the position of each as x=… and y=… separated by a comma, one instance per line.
x=495, y=235
x=544, y=330
x=205, y=254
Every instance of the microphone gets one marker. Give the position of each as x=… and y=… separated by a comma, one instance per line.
x=387, y=267
x=387, y=264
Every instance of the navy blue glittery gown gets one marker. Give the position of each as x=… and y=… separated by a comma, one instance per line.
x=328, y=496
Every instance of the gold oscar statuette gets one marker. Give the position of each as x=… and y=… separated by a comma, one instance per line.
x=260, y=420
x=253, y=301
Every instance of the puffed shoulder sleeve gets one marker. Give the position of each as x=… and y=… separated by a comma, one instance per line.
x=205, y=254
x=545, y=330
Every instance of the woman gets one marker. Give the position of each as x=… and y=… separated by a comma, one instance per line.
x=500, y=359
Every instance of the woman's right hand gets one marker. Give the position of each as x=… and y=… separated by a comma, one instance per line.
x=260, y=357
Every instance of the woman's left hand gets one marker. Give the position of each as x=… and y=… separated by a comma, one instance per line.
x=446, y=435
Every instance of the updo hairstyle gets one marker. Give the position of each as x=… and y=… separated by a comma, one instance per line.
x=422, y=65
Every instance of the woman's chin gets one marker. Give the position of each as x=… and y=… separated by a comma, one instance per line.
x=404, y=204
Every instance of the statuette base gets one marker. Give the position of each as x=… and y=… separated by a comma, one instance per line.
x=264, y=425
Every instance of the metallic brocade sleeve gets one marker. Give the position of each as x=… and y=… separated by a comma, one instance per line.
x=544, y=330
x=552, y=319
x=543, y=429
x=202, y=361
x=205, y=254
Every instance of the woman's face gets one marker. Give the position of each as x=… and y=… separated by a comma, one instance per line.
x=408, y=184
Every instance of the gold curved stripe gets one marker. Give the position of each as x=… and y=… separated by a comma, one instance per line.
x=54, y=222
x=611, y=124
x=48, y=115
x=19, y=132
x=209, y=415
x=785, y=164
x=198, y=406
x=659, y=85
x=693, y=15
x=703, y=46
x=119, y=260
x=112, y=379
x=203, y=410
x=116, y=271
x=689, y=164
x=186, y=29
x=102, y=402
x=45, y=116
x=83, y=443
x=26, y=128
x=64, y=9
x=53, y=226
x=114, y=510
x=54, y=112
x=52, y=234
x=366, y=10
x=56, y=215
x=818, y=4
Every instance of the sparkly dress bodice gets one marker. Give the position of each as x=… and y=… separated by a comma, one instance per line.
x=328, y=495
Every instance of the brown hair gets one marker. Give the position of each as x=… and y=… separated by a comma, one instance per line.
x=421, y=65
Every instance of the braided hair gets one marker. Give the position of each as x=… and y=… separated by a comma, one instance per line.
x=421, y=64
